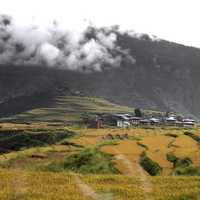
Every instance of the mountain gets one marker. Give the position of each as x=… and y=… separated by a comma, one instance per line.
x=165, y=76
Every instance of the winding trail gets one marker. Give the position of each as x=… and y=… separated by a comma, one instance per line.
x=86, y=189
x=146, y=184
x=130, y=169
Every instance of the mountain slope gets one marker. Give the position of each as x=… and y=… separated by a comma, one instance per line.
x=68, y=109
x=164, y=77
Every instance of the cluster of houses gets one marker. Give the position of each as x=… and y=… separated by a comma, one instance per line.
x=126, y=120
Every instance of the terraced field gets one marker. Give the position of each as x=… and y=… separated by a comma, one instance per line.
x=35, y=173
x=156, y=142
x=69, y=108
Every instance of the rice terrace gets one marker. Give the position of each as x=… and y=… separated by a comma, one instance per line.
x=150, y=162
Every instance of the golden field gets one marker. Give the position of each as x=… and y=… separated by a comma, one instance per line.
x=22, y=179
x=23, y=185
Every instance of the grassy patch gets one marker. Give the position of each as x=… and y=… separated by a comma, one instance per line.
x=142, y=145
x=90, y=160
x=108, y=143
x=184, y=197
x=67, y=143
x=152, y=167
x=179, y=162
x=187, y=171
x=26, y=140
x=193, y=136
x=171, y=135
x=136, y=138
x=183, y=166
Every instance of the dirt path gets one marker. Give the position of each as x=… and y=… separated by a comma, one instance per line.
x=145, y=182
x=19, y=185
x=86, y=189
x=146, y=185
x=130, y=171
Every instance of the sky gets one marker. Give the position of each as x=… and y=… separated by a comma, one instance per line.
x=174, y=20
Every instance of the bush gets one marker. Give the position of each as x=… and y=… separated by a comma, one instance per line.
x=182, y=166
x=152, y=167
x=171, y=135
x=142, y=145
x=193, y=136
x=171, y=158
x=183, y=162
x=27, y=140
x=187, y=171
x=90, y=161
x=179, y=162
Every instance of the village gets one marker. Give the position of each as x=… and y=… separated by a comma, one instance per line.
x=126, y=120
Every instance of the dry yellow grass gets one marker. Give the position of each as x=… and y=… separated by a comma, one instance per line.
x=38, y=186
x=17, y=184
x=158, y=149
x=125, y=150
x=129, y=188
x=186, y=146
x=30, y=185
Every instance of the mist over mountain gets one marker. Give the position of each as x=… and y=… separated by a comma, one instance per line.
x=121, y=66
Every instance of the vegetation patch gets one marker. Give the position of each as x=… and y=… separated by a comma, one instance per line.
x=187, y=171
x=183, y=166
x=179, y=162
x=193, y=136
x=108, y=143
x=184, y=197
x=136, y=138
x=26, y=140
x=67, y=143
x=142, y=145
x=90, y=160
x=171, y=135
x=152, y=167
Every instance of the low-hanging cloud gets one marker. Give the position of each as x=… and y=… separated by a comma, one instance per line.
x=89, y=50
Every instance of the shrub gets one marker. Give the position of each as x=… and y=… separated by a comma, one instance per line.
x=183, y=166
x=193, y=136
x=90, y=160
x=142, y=145
x=187, y=171
x=171, y=135
x=171, y=157
x=183, y=162
x=27, y=140
x=179, y=162
x=152, y=167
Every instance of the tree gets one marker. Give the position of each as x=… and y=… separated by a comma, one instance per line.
x=138, y=112
x=167, y=114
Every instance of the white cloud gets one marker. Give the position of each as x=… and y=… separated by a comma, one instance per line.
x=88, y=50
x=176, y=20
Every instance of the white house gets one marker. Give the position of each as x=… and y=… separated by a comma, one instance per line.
x=154, y=120
x=170, y=120
x=188, y=122
x=123, y=123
